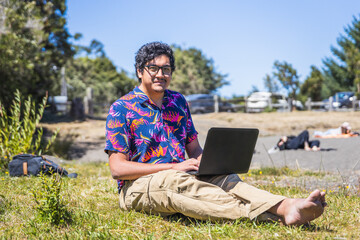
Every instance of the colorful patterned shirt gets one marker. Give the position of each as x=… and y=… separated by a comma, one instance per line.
x=149, y=134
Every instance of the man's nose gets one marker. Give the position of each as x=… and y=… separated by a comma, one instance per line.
x=160, y=73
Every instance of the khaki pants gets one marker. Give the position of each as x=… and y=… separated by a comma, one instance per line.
x=208, y=198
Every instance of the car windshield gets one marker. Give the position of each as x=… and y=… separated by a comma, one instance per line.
x=343, y=95
x=198, y=96
x=259, y=95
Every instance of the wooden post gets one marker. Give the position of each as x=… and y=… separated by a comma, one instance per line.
x=216, y=103
x=354, y=103
x=289, y=104
x=330, y=104
x=63, y=82
x=245, y=99
x=270, y=103
x=88, y=103
x=337, y=100
x=308, y=104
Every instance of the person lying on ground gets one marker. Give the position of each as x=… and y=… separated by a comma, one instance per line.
x=341, y=132
x=298, y=142
x=148, y=132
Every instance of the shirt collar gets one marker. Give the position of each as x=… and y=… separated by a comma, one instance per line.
x=142, y=97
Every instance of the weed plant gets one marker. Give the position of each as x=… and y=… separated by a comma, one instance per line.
x=51, y=206
x=19, y=129
x=93, y=201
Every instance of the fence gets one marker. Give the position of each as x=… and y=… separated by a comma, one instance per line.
x=329, y=105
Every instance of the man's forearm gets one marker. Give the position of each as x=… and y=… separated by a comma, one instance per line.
x=127, y=170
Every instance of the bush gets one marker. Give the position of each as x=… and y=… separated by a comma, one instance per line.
x=19, y=130
x=51, y=206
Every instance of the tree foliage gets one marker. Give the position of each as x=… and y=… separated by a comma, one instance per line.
x=195, y=73
x=270, y=84
x=312, y=87
x=288, y=77
x=33, y=47
x=97, y=71
x=343, y=72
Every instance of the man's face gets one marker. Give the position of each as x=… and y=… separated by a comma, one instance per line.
x=156, y=76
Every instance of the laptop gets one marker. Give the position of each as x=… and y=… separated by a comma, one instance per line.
x=227, y=151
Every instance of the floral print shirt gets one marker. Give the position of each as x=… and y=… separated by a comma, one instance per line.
x=147, y=133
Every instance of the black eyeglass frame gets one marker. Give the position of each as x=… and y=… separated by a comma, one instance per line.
x=158, y=68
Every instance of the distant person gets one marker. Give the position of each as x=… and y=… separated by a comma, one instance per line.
x=297, y=142
x=148, y=132
x=343, y=131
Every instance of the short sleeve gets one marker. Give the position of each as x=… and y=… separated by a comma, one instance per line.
x=117, y=132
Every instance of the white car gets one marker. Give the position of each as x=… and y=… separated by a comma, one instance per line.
x=258, y=101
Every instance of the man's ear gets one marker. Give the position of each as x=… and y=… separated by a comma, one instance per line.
x=139, y=73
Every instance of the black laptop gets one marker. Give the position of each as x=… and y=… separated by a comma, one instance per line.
x=227, y=150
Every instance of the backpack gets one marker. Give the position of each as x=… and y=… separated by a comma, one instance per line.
x=28, y=164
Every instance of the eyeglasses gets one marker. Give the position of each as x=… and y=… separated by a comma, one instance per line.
x=153, y=70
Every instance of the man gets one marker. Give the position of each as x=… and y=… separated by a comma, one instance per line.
x=147, y=133
x=298, y=142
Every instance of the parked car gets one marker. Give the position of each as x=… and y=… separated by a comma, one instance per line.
x=205, y=103
x=340, y=100
x=298, y=105
x=258, y=101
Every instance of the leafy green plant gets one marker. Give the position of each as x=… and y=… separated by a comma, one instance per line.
x=51, y=206
x=19, y=129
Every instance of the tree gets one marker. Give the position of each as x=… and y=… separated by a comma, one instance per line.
x=97, y=71
x=195, y=73
x=288, y=77
x=270, y=84
x=312, y=86
x=34, y=44
x=342, y=73
x=353, y=63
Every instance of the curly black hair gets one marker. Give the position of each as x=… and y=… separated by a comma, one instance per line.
x=149, y=51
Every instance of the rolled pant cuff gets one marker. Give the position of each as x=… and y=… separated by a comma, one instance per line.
x=265, y=207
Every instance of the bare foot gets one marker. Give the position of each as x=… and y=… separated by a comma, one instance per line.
x=301, y=211
x=307, y=148
x=315, y=148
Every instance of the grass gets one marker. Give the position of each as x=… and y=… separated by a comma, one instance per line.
x=92, y=200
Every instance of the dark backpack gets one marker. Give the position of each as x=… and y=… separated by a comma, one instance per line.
x=28, y=164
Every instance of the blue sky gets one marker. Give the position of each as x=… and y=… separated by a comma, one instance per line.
x=243, y=37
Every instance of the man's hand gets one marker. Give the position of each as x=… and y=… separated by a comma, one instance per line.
x=187, y=165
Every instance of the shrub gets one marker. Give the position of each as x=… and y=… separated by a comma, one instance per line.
x=19, y=130
x=51, y=206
